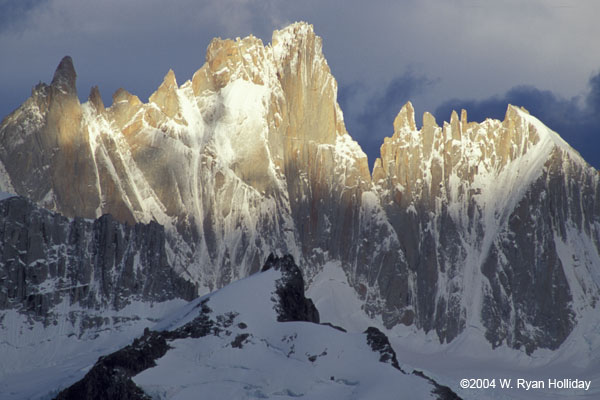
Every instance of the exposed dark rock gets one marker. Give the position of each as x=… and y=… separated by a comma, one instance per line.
x=200, y=326
x=291, y=304
x=339, y=328
x=110, y=377
x=381, y=344
x=94, y=264
x=65, y=76
x=240, y=340
x=528, y=283
x=443, y=392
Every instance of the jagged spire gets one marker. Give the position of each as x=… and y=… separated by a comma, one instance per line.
x=65, y=76
x=166, y=95
x=405, y=118
x=96, y=99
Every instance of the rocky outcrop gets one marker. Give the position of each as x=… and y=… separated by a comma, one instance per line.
x=381, y=344
x=291, y=304
x=442, y=392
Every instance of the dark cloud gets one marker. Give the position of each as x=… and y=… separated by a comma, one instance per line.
x=370, y=123
x=593, y=98
x=384, y=107
x=577, y=120
x=14, y=12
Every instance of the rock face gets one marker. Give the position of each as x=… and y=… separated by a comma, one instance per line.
x=381, y=344
x=47, y=260
x=219, y=161
x=493, y=226
x=291, y=305
x=488, y=214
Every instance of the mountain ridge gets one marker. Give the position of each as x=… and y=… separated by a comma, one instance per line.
x=252, y=156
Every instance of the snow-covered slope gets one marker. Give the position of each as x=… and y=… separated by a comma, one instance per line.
x=37, y=360
x=223, y=346
x=469, y=356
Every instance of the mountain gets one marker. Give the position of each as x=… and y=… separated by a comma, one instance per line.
x=228, y=162
x=499, y=225
x=223, y=346
x=469, y=232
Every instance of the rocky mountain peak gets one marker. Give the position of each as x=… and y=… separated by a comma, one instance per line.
x=169, y=79
x=124, y=106
x=96, y=100
x=65, y=76
x=295, y=36
x=405, y=118
x=122, y=95
x=229, y=59
x=166, y=95
x=429, y=120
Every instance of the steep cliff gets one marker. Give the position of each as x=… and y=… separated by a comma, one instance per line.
x=47, y=259
x=499, y=222
x=73, y=288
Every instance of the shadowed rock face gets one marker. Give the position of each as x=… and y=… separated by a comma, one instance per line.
x=467, y=224
x=47, y=259
x=291, y=304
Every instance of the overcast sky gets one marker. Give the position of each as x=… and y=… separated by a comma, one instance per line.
x=440, y=54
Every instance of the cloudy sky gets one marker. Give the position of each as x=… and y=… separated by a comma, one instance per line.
x=440, y=54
